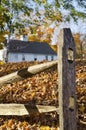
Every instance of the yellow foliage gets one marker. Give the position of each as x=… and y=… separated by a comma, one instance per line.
x=1, y=45
x=50, y=30
x=40, y=33
x=46, y=40
x=82, y=107
x=33, y=37
x=77, y=38
x=2, y=35
x=44, y=1
x=44, y=128
x=2, y=62
x=54, y=47
x=59, y=17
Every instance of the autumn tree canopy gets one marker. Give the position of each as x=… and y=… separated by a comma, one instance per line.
x=55, y=12
x=24, y=13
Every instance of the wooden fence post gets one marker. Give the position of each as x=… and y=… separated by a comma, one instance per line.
x=66, y=77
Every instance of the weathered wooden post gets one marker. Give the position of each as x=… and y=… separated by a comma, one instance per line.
x=66, y=75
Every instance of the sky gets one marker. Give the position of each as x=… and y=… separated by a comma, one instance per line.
x=81, y=24
x=79, y=27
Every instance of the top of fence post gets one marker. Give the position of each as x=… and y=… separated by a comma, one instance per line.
x=66, y=77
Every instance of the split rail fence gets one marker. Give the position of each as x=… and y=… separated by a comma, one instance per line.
x=66, y=78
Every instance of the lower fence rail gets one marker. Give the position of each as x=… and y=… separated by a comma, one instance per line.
x=24, y=109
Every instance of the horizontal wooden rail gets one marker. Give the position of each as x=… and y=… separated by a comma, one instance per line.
x=24, y=109
x=24, y=73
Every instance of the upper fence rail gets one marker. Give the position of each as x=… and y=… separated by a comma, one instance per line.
x=26, y=72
